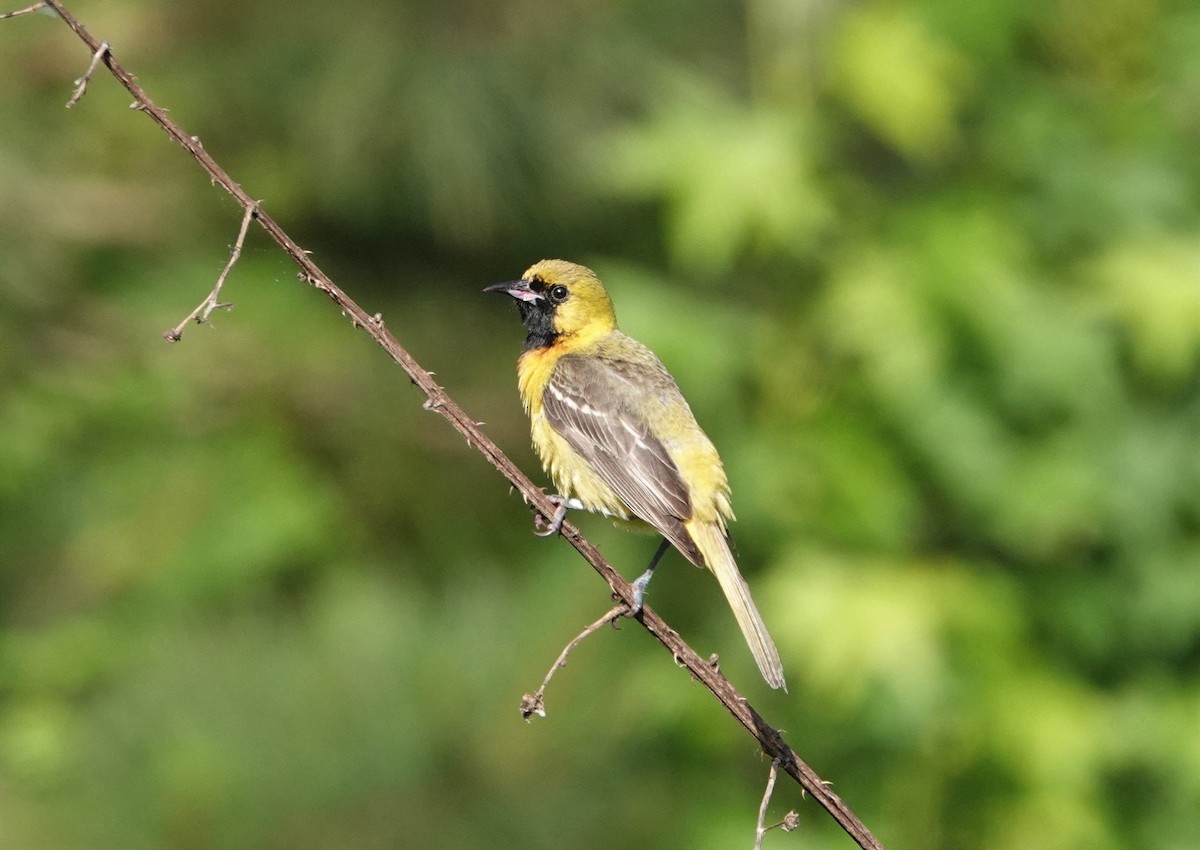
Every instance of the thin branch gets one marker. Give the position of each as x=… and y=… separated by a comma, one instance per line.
x=437, y=400
x=81, y=83
x=762, y=809
x=790, y=821
x=213, y=301
x=534, y=703
x=27, y=10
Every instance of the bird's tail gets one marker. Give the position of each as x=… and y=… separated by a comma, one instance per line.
x=712, y=544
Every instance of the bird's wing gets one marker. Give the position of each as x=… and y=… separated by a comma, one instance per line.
x=593, y=404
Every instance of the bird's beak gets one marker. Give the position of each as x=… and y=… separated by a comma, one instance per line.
x=518, y=289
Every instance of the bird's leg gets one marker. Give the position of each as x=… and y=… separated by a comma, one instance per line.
x=561, y=505
x=639, y=584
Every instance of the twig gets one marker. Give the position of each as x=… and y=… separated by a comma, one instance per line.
x=25, y=11
x=534, y=703
x=762, y=809
x=437, y=400
x=212, y=302
x=790, y=821
x=81, y=83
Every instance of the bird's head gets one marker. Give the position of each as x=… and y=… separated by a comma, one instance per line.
x=560, y=299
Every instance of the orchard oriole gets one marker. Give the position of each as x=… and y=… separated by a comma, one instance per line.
x=617, y=437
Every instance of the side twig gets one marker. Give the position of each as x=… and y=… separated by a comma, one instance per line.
x=790, y=821
x=27, y=10
x=213, y=301
x=81, y=83
x=535, y=703
x=437, y=400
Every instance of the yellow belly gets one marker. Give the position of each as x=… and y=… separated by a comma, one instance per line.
x=572, y=476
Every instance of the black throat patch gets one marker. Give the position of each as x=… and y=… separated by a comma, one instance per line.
x=538, y=317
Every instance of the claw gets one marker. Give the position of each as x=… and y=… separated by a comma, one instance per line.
x=556, y=521
x=639, y=592
x=555, y=524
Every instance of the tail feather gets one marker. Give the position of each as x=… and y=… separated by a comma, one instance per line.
x=712, y=544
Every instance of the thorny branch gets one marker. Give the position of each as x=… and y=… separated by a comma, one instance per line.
x=534, y=703
x=213, y=301
x=436, y=399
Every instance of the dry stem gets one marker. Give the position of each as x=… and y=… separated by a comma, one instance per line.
x=213, y=301
x=81, y=83
x=790, y=821
x=27, y=10
x=534, y=703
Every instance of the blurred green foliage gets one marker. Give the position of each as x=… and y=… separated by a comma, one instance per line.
x=928, y=271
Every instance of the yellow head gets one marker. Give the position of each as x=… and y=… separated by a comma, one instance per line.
x=559, y=299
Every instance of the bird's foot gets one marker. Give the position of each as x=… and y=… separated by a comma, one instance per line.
x=544, y=527
x=640, y=583
x=639, y=592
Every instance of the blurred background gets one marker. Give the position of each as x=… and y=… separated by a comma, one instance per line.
x=928, y=271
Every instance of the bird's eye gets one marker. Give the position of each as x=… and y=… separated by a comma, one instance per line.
x=558, y=294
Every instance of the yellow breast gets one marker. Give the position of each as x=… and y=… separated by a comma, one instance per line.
x=572, y=476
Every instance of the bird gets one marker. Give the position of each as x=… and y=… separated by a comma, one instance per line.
x=616, y=436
